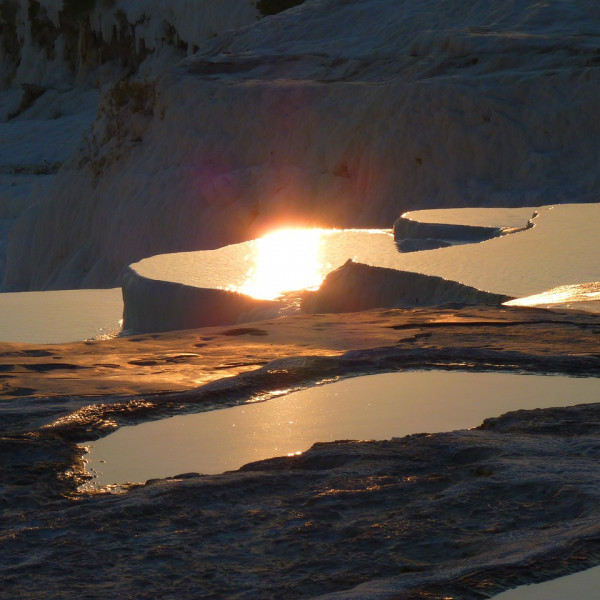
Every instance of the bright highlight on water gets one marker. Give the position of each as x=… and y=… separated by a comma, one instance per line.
x=285, y=260
x=371, y=407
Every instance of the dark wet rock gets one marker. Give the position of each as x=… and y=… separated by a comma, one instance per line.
x=245, y=331
x=550, y=421
x=45, y=367
x=413, y=236
x=355, y=287
x=410, y=515
x=412, y=245
x=460, y=514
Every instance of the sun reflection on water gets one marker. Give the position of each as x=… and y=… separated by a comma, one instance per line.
x=285, y=260
x=564, y=294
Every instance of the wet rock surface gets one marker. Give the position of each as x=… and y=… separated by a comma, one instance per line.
x=460, y=514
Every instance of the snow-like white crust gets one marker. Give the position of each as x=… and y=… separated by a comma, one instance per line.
x=157, y=26
x=334, y=113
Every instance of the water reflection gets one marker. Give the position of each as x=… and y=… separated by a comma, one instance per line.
x=286, y=260
x=370, y=407
x=581, y=295
x=299, y=259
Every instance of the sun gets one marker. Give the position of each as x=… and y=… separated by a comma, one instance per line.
x=285, y=260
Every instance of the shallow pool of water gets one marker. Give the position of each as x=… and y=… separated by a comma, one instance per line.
x=584, y=585
x=561, y=249
x=370, y=407
x=56, y=317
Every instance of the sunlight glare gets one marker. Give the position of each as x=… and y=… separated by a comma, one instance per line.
x=580, y=292
x=286, y=260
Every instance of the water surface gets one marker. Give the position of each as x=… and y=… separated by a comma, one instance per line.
x=56, y=317
x=370, y=407
x=563, y=248
x=584, y=585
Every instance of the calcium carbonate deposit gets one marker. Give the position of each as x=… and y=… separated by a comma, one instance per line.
x=132, y=129
x=333, y=113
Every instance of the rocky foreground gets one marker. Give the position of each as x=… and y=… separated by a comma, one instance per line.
x=461, y=514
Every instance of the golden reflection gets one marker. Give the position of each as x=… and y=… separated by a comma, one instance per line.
x=564, y=294
x=285, y=260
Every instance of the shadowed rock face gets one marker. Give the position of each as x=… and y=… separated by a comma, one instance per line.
x=355, y=287
x=50, y=42
x=412, y=236
x=151, y=305
x=318, y=117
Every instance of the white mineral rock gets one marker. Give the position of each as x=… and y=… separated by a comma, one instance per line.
x=334, y=113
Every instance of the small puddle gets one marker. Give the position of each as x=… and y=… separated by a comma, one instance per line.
x=369, y=407
x=583, y=586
